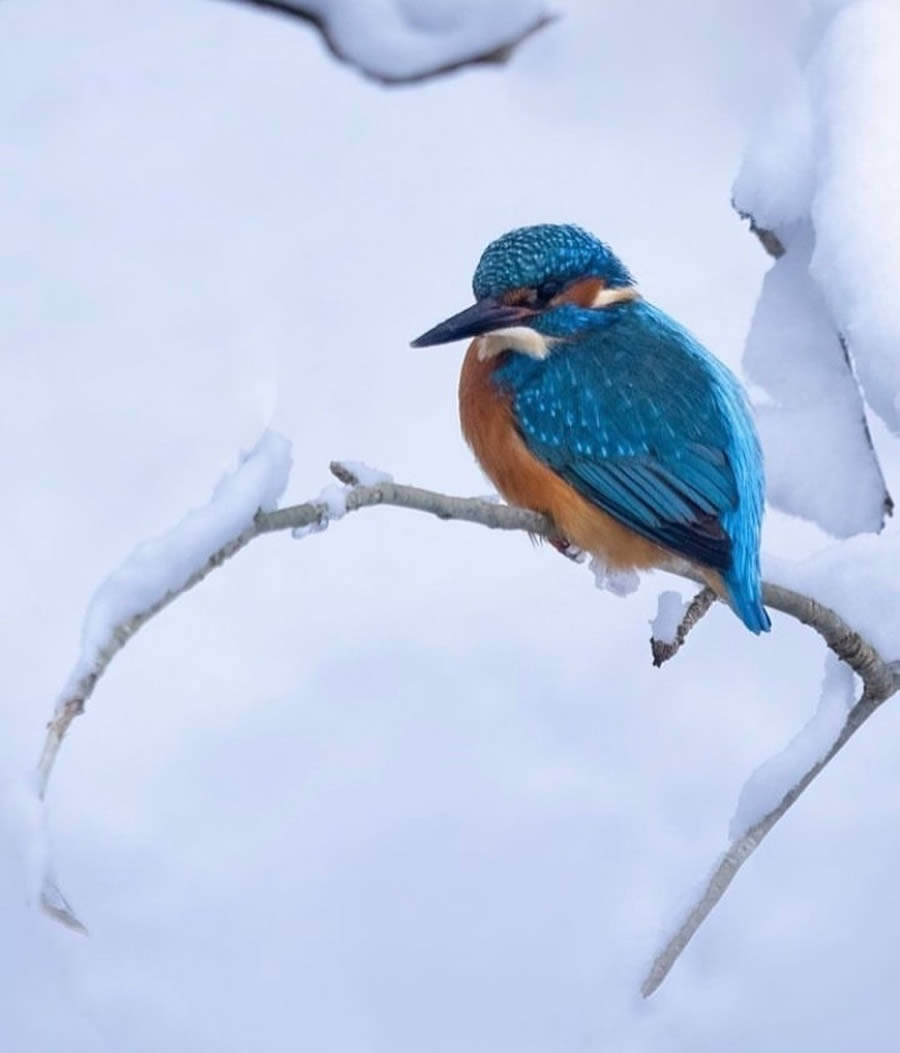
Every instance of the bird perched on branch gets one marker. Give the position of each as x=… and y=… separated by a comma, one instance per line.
x=583, y=401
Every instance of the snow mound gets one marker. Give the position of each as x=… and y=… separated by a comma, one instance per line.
x=669, y=611
x=777, y=177
x=855, y=79
x=767, y=786
x=365, y=474
x=608, y=579
x=820, y=463
x=856, y=578
x=822, y=174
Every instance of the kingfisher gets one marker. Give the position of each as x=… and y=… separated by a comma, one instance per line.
x=583, y=401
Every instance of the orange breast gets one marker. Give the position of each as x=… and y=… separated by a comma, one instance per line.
x=488, y=426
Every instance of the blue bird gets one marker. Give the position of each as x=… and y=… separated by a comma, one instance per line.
x=583, y=401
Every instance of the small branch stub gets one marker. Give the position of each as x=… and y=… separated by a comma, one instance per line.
x=343, y=474
x=663, y=650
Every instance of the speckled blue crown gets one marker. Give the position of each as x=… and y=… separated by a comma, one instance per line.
x=529, y=256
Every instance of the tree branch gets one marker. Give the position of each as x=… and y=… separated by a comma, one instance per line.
x=496, y=55
x=880, y=680
x=663, y=650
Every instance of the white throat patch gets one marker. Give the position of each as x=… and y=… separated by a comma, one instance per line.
x=605, y=297
x=515, y=338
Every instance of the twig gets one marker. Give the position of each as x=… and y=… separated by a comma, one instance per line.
x=769, y=240
x=880, y=679
x=662, y=650
x=496, y=55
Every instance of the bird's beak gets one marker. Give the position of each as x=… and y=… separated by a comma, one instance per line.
x=482, y=317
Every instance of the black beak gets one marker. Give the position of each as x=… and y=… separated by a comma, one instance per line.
x=482, y=317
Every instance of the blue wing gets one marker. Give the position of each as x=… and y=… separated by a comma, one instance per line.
x=640, y=420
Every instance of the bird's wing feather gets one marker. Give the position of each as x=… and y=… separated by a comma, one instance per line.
x=630, y=419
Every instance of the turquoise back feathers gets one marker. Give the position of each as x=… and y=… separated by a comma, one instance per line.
x=641, y=420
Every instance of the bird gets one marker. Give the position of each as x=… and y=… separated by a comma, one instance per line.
x=583, y=401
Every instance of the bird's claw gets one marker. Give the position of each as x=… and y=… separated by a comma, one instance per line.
x=570, y=551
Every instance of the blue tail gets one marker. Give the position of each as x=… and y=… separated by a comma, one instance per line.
x=746, y=601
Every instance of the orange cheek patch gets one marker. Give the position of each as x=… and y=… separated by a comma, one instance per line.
x=582, y=294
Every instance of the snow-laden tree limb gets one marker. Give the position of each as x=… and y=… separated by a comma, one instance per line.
x=794, y=353
x=880, y=679
x=388, y=46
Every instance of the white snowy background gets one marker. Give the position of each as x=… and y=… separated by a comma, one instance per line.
x=409, y=785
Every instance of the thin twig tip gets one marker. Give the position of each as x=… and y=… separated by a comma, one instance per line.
x=343, y=474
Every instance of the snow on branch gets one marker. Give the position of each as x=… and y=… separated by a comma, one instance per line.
x=794, y=354
x=674, y=621
x=405, y=43
x=242, y=509
x=818, y=184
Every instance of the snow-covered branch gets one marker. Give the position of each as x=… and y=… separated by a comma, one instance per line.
x=242, y=508
x=402, y=44
x=674, y=620
x=822, y=343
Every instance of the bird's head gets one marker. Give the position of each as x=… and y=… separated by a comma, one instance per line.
x=527, y=278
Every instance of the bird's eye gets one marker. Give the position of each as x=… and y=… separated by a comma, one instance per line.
x=547, y=290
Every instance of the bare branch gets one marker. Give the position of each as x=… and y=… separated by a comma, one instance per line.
x=495, y=55
x=662, y=650
x=466, y=509
x=880, y=679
